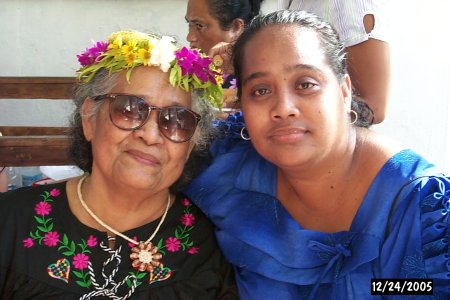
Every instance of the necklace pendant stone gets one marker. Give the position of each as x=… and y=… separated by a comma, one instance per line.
x=145, y=257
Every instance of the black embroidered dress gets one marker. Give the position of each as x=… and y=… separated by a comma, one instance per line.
x=46, y=253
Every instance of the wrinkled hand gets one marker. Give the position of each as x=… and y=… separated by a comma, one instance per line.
x=221, y=54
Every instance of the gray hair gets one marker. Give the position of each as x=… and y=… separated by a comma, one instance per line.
x=102, y=83
x=331, y=45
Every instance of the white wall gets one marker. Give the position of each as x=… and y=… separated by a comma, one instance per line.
x=41, y=38
x=419, y=113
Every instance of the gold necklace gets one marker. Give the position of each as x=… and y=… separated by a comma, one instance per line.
x=145, y=256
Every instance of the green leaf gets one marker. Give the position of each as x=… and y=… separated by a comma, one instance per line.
x=65, y=239
x=39, y=220
x=141, y=275
x=72, y=246
x=50, y=227
x=83, y=284
x=160, y=244
x=68, y=253
x=43, y=229
x=78, y=274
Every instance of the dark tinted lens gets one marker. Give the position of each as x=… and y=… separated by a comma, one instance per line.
x=177, y=123
x=128, y=112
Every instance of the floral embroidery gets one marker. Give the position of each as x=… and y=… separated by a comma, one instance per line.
x=92, y=241
x=28, y=243
x=181, y=241
x=43, y=208
x=51, y=238
x=46, y=235
x=81, y=261
x=173, y=244
x=77, y=254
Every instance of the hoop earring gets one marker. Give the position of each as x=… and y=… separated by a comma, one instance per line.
x=247, y=138
x=352, y=112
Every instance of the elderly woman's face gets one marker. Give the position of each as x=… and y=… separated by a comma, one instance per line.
x=295, y=109
x=204, y=29
x=143, y=158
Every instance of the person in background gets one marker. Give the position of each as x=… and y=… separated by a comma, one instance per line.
x=363, y=28
x=124, y=229
x=310, y=203
x=216, y=23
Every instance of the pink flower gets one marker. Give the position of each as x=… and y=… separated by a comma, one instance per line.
x=55, y=192
x=28, y=243
x=43, y=208
x=132, y=244
x=186, y=202
x=172, y=244
x=92, y=55
x=51, y=238
x=193, y=250
x=92, y=241
x=81, y=261
x=188, y=219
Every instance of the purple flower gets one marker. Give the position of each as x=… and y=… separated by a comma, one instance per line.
x=186, y=59
x=91, y=55
x=233, y=84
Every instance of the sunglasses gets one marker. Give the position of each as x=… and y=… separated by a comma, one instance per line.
x=129, y=112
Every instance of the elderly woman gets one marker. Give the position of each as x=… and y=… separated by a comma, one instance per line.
x=122, y=230
x=316, y=205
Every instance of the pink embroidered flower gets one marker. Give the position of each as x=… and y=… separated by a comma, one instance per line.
x=132, y=244
x=51, y=238
x=28, y=243
x=193, y=250
x=186, y=202
x=55, y=192
x=188, y=219
x=92, y=241
x=173, y=244
x=81, y=261
x=43, y=208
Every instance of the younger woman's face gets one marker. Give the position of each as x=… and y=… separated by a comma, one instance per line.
x=295, y=109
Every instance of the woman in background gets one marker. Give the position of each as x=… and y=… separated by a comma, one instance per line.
x=216, y=23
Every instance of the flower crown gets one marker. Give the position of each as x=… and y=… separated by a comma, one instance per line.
x=126, y=50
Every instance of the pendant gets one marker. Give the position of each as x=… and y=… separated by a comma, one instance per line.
x=145, y=257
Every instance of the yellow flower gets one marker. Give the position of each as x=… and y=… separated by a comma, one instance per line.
x=144, y=55
x=130, y=58
x=128, y=48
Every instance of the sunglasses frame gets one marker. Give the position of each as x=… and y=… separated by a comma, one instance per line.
x=150, y=108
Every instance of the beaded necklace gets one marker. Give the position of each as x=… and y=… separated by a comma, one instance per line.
x=145, y=256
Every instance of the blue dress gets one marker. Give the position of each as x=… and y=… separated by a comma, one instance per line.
x=401, y=230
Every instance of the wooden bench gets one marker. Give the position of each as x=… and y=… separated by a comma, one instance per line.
x=33, y=145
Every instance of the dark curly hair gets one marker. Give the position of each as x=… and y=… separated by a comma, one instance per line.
x=80, y=149
x=331, y=45
x=227, y=10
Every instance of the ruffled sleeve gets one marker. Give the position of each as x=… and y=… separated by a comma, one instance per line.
x=435, y=227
